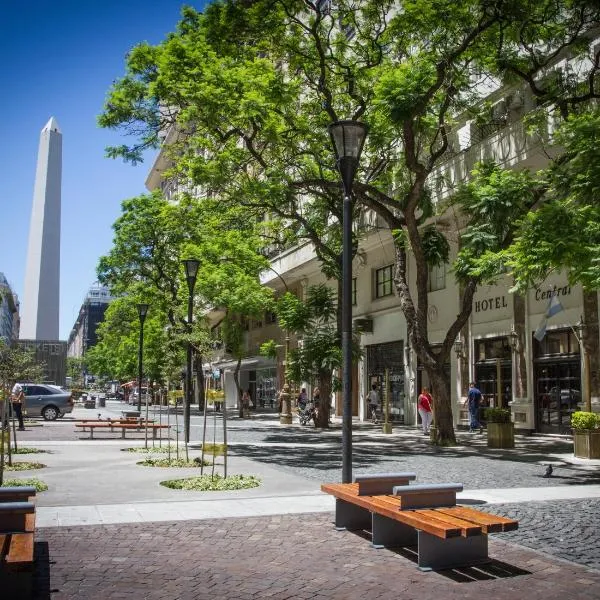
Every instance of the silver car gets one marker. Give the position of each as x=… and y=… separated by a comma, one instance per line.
x=45, y=400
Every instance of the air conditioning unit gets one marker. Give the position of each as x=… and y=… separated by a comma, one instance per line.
x=364, y=325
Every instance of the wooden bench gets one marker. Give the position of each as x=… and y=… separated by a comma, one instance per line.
x=83, y=423
x=17, y=530
x=446, y=535
x=123, y=427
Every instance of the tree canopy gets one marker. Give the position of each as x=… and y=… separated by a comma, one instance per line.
x=245, y=91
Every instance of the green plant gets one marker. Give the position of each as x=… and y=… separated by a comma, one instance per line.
x=24, y=466
x=497, y=415
x=206, y=483
x=585, y=421
x=25, y=450
x=173, y=462
x=39, y=486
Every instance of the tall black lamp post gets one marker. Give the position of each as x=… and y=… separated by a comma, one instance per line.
x=285, y=396
x=142, y=312
x=191, y=271
x=348, y=138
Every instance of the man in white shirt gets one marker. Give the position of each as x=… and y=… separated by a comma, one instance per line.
x=17, y=400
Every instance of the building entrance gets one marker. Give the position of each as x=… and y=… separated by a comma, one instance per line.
x=557, y=379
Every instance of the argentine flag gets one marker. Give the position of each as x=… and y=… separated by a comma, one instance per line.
x=554, y=307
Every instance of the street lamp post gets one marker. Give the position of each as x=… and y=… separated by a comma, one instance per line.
x=142, y=312
x=191, y=271
x=285, y=396
x=348, y=138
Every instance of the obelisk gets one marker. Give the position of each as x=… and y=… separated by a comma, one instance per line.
x=40, y=308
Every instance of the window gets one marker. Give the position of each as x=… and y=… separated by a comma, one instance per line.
x=270, y=317
x=437, y=278
x=383, y=282
x=354, y=291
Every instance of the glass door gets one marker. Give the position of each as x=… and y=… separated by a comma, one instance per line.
x=558, y=393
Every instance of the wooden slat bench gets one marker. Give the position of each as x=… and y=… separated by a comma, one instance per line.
x=123, y=427
x=446, y=535
x=83, y=423
x=17, y=530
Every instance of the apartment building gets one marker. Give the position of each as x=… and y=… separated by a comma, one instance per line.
x=91, y=313
x=9, y=312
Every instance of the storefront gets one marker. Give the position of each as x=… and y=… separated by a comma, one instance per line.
x=493, y=371
x=382, y=357
x=557, y=379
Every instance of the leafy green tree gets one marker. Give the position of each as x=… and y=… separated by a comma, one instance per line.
x=251, y=86
x=76, y=365
x=319, y=355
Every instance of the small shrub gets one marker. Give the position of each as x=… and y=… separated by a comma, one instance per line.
x=151, y=449
x=208, y=483
x=583, y=421
x=39, y=486
x=497, y=415
x=23, y=466
x=173, y=462
x=24, y=450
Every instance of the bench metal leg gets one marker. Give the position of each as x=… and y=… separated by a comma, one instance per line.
x=438, y=553
x=153, y=433
x=91, y=433
x=351, y=517
x=389, y=533
x=122, y=433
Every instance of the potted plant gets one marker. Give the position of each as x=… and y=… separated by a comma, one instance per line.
x=500, y=429
x=586, y=434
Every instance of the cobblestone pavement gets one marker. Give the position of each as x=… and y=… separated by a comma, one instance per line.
x=283, y=557
x=568, y=530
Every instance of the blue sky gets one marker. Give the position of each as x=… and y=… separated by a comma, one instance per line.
x=58, y=58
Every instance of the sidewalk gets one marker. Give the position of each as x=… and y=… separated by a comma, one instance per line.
x=107, y=530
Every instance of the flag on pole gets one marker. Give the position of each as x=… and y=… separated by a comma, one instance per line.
x=553, y=308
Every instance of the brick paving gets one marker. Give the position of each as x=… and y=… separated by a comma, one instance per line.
x=282, y=557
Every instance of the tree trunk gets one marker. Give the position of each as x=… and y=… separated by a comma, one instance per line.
x=322, y=412
x=442, y=406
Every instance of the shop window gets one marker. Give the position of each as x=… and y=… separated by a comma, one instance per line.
x=556, y=343
x=383, y=282
x=437, y=278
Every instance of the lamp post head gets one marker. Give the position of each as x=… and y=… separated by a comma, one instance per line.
x=142, y=311
x=191, y=271
x=458, y=348
x=348, y=138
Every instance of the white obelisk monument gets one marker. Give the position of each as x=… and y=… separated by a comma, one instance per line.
x=40, y=307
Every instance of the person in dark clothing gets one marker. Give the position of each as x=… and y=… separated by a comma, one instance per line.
x=474, y=401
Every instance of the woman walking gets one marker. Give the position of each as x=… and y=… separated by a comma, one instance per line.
x=424, y=407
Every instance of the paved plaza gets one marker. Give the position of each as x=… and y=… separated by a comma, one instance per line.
x=108, y=529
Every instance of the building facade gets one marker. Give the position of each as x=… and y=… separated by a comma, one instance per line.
x=52, y=354
x=9, y=312
x=84, y=332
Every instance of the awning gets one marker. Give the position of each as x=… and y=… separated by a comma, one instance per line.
x=247, y=364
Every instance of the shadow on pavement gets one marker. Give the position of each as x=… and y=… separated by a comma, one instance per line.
x=41, y=578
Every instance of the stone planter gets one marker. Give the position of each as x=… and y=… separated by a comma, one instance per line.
x=501, y=435
x=586, y=444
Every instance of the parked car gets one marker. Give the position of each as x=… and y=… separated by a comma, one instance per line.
x=45, y=400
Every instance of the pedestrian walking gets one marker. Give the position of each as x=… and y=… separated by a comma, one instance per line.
x=474, y=401
x=17, y=401
x=424, y=405
x=246, y=402
x=372, y=399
